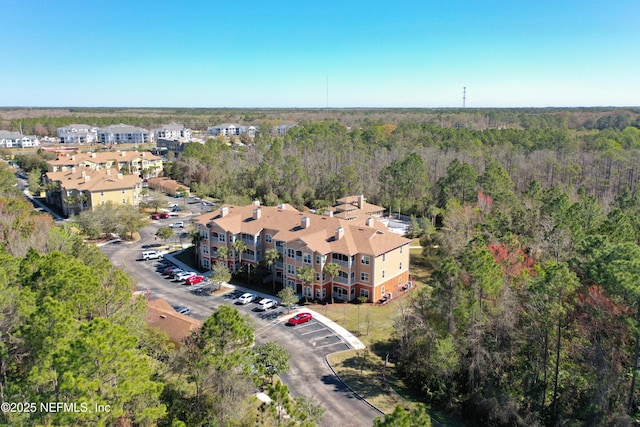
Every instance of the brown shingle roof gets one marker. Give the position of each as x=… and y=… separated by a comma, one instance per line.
x=162, y=316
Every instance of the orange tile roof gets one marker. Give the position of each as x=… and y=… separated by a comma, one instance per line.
x=364, y=235
x=102, y=157
x=92, y=180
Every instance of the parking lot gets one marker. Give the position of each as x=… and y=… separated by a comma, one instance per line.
x=313, y=333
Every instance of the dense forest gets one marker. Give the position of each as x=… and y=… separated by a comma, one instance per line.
x=529, y=221
x=532, y=313
x=73, y=337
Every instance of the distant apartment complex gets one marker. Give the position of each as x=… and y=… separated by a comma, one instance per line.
x=231, y=129
x=77, y=134
x=124, y=134
x=17, y=140
x=172, y=132
x=373, y=260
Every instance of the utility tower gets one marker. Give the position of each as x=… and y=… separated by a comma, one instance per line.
x=464, y=97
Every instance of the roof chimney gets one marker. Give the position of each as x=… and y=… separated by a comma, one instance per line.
x=281, y=206
x=123, y=154
x=369, y=222
x=120, y=176
x=257, y=213
x=93, y=155
x=86, y=177
x=73, y=170
x=73, y=157
x=305, y=222
x=84, y=173
x=224, y=211
x=339, y=233
x=361, y=201
x=328, y=213
x=109, y=171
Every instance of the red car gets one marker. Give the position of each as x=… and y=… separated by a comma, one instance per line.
x=193, y=280
x=155, y=216
x=164, y=215
x=300, y=318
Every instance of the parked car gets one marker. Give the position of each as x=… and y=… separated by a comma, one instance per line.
x=193, y=280
x=147, y=255
x=175, y=272
x=265, y=304
x=155, y=216
x=300, y=318
x=184, y=275
x=182, y=310
x=164, y=215
x=246, y=298
x=170, y=270
x=179, y=224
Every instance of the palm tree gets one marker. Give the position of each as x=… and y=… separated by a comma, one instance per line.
x=332, y=270
x=306, y=275
x=223, y=253
x=239, y=246
x=270, y=258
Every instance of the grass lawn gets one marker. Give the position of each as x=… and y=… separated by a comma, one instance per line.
x=366, y=371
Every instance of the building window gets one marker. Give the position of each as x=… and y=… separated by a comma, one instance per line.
x=205, y=263
x=102, y=193
x=384, y=257
x=401, y=247
x=102, y=202
x=291, y=253
x=222, y=237
x=123, y=191
x=400, y=266
x=267, y=238
x=364, y=293
x=382, y=291
x=400, y=281
x=365, y=259
x=364, y=277
x=383, y=274
x=291, y=269
x=306, y=258
x=124, y=201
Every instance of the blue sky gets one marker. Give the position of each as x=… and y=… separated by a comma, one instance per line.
x=282, y=53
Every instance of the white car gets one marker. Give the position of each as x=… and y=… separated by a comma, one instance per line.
x=265, y=304
x=246, y=298
x=184, y=275
x=179, y=224
x=147, y=255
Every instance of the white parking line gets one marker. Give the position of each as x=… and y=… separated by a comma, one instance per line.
x=315, y=330
x=334, y=343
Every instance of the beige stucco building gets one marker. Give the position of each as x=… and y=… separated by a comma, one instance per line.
x=76, y=189
x=127, y=162
x=373, y=261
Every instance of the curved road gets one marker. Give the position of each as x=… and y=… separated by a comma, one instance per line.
x=308, y=375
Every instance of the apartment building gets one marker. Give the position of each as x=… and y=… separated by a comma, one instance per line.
x=128, y=162
x=372, y=260
x=172, y=132
x=77, y=134
x=76, y=189
x=231, y=129
x=121, y=134
x=17, y=140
